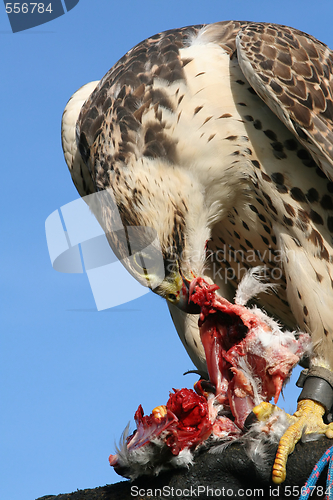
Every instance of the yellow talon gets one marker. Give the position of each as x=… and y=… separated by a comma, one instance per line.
x=307, y=419
x=159, y=412
x=264, y=411
x=329, y=433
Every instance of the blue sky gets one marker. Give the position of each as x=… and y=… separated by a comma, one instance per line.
x=72, y=377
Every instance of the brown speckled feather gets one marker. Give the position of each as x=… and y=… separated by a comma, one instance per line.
x=124, y=95
x=292, y=72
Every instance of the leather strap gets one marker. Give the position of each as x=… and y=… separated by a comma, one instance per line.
x=317, y=384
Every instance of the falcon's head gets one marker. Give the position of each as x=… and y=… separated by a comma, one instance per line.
x=162, y=242
x=152, y=211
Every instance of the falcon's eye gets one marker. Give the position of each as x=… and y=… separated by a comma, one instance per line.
x=171, y=297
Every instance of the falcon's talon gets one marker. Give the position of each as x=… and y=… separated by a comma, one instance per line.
x=264, y=411
x=204, y=388
x=329, y=432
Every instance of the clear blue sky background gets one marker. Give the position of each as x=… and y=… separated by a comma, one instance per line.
x=71, y=377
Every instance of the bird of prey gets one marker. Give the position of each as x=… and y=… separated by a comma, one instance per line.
x=219, y=139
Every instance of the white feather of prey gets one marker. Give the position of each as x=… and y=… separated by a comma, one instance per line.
x=251, y=285
x=150, y=459
x=258, y=440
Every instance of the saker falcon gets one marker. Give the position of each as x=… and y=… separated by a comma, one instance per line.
x=219, y=138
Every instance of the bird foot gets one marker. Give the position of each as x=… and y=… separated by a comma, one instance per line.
x=159, y=412
x=307, y=419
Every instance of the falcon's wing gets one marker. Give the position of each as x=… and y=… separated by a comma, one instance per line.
x=79, y=171
x=293, y=73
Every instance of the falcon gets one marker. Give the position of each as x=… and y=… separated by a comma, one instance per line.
x=218, y=139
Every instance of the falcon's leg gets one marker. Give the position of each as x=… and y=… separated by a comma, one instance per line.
x=308, y=419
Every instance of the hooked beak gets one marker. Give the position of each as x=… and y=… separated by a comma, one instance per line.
x=184, y=303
